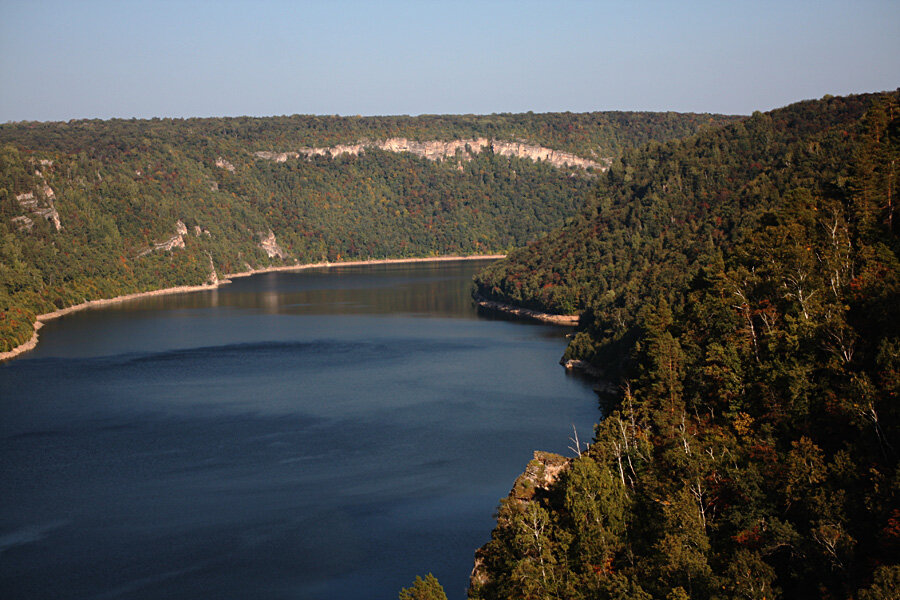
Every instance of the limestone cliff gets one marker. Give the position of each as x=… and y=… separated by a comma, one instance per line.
x=439, y=150
x=176, y=241
x=277, y=156
x=269, y=244
x=224, y=164
x=531, y=486
x=38, y=204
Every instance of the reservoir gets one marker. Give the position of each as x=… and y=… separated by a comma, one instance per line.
x=321, y=434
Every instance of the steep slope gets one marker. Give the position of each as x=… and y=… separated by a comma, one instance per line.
x=751, y=276
x=664, y=209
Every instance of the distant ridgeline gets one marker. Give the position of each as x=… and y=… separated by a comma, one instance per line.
x=740, y=289
x=96, y=209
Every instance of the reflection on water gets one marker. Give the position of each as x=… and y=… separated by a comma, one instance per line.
x=430, y=289
x=320, y=434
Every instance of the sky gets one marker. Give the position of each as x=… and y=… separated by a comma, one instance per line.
x=62, y=60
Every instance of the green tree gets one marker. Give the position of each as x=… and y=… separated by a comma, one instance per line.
x=424, y=589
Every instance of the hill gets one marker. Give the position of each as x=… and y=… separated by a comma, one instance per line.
x=95, y=209
x=739, y=287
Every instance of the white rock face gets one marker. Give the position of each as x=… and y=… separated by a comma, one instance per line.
x=539, y=153
x=224, y=164
x=22, y=223
x=213, y=278
x=176, y=241
x=38, y=207
x=438, y=150
x=271, y=247
x=279, y=157
x=50, y=214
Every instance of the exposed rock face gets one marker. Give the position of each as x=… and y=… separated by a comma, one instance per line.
x=583, y=366
x=41, y=207
x=540, y=474
x=438, y=150
x=539, y=153
x=22, y=222
x=176, y=241
x=277, y=156
x=271, y=247
x=224, y=164
x=213, y=278
x=50, y=214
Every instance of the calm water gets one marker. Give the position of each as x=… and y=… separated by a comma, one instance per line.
x=325, y=434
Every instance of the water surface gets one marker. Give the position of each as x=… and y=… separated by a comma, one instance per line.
x=320, y=434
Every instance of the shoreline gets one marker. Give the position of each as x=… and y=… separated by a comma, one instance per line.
x=184, y=289
x=360, y=263
x=527, y=313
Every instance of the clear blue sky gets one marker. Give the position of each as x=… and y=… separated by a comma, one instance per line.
x=91, y=58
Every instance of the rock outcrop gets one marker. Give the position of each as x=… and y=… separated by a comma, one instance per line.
x=440, y=150
x=270, y=245
x=224, y=164
x=547, y=155
x=176, y=241
x=525, y=313
x=213, y=278
x=40, y=206
x=541, y=473
x=539, y=476
x=22, y=223
x=279, y=157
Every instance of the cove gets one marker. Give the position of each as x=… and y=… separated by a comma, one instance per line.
x=322, y=434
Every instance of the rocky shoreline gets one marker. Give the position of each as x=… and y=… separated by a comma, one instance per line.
x=43, y=318
x=526, y=313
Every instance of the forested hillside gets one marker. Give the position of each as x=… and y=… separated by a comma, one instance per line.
x=95, y=209
x=591, y=135
x=741, y=289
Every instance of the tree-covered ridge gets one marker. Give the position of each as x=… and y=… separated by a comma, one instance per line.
x=591, y=135
x=663, y=209
x=148, y=204
x=753, y=449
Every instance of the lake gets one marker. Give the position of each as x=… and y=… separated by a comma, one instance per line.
x=319, y=434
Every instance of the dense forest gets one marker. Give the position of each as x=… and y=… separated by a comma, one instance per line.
x=740, y=288
x=96, y=209
x=592, y=135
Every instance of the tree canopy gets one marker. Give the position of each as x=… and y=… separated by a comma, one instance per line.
x=740, y=289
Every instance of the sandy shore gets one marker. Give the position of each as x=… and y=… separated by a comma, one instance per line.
x=41, y=319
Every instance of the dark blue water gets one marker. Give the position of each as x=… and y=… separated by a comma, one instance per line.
x=325, y=434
